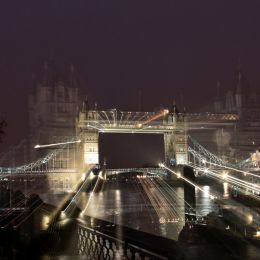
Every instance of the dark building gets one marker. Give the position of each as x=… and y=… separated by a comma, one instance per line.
x=242, y=100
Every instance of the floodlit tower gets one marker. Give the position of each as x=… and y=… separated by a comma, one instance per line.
x=87, y=132
x=175, y=142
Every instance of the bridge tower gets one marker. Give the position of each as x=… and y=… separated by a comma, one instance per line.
x=88, y=149
x=175, y=142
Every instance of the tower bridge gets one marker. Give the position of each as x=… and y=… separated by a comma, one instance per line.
x=174, y=126
x=66, y=162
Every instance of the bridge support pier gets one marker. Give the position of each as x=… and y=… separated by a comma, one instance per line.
x=189, y=190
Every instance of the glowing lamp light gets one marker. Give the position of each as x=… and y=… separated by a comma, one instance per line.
x=224, y=175
x=45, y=222
x=249, y=218
x=63, y=215
x=204, y=161
x=166, y=111
x=83, y=176
x=178, y=175
x=206, y=170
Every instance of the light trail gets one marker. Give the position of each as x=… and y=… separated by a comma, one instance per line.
x=104, y=112
x=94, y=127
x=231, y=168
x=143, y=117
x=176, y=196
x=21, y=202
x=235, y=181
x=91, y=194
x=55, y=144
x=170, y=191
x=232, y=180
x=164, y=112
x=188, y=181
x=162, y=204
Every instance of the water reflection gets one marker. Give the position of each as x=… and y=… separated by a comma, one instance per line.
x=204, y=204
x=225, y=188
x=127, y=204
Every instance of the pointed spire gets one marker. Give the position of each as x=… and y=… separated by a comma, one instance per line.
x=85, y=105
x=174, y=108
x=45, y=73
x=239, y=78
x=33, y=83
x=218, y=97
x=239, y=65
x=73, y=81
x=72, y=68
x=45, y=66
x=239, y=84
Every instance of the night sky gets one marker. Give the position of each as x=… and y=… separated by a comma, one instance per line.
x=166, y=49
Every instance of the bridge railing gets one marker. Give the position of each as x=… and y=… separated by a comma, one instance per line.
x=97, y=245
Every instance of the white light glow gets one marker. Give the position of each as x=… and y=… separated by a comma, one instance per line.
x=224, y=175
x=231, y=168
x=63, y=215
x=55, y=144
x=178, y=175
x=191, y=183
x=166, y=111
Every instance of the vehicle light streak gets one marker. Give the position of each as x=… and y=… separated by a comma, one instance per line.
x=188, y=181
x=231, y=168
x=91, y=195
x=55, y=144
x=231, y=180
x=172, y=193
x=161, y=114
x=236, y=181
x=94, y=127
x=161, y=202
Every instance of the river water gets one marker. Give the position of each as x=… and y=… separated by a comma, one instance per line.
x=150, y=205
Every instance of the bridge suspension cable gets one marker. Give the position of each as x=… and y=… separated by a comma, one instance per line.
x=203, y=161
x=197, y=148
x=205, y=157
x=36, y=165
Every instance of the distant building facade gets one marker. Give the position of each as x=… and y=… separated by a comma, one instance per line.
x=244, y=101
x=52, y=111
